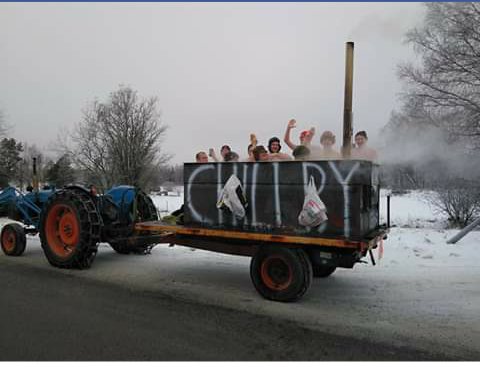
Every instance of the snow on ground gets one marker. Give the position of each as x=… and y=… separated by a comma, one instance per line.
x=411, y=210
x=167, y=204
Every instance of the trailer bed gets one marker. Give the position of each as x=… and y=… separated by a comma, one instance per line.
x=170, y=232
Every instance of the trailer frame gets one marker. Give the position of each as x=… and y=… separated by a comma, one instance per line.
x=292, y=259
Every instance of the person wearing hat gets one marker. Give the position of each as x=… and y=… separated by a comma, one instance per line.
x=274, y=148
x=306, y=136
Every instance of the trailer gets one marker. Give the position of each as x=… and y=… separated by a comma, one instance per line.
x=284, y=255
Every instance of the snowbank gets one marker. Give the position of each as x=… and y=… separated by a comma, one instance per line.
x=411, y=210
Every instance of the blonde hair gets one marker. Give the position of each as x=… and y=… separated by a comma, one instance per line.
x=327, y=135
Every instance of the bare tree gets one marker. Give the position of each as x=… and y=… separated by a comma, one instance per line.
x=118, y=142
x=448, y=79
x=133, y=130
x=86, y=146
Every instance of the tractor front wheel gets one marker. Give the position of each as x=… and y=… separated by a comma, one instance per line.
x=13, y=239
x=70, y=229
x=281, y=274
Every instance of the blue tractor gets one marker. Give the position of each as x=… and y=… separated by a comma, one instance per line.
x=72, y=222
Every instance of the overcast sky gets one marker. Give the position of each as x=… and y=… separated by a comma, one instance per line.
x=220, y=71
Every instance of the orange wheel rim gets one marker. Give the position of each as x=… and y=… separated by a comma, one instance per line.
x=62, y=230
x=8, y=240
x=276, y=273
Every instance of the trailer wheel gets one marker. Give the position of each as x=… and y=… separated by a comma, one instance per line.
x=323, y=271
x=281, y=274
x=70, y=229
x=13, y=239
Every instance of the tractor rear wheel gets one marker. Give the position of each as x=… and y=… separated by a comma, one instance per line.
x=146, y=211
x=13, y=239
x=70, y=229
x=281, y=274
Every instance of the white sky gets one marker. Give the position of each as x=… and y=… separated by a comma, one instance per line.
x=221, y=71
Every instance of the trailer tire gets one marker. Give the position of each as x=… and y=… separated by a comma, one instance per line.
x=281, y=274
x=13, y=239
x=323, y=271
x=70, y=229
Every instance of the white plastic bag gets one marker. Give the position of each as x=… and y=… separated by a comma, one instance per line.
x=233, y=198
x=314, y=211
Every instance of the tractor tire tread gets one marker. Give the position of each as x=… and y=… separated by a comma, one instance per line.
x=90, y=226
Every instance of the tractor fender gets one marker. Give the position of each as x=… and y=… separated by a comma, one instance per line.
x=82, y=189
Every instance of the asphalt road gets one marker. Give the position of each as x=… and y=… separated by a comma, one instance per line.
x=47, y=314
x=185, y=304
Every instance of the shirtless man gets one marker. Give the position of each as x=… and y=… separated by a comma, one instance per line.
x=305, y=136
x=260, y=154
x=327, y=141
x=201, y=157
x=362, y=150
x=274, y=148
x=223, y=152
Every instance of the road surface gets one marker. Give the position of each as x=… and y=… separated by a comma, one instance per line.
x=179, y=304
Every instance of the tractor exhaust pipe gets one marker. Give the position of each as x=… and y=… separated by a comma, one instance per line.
x=347, y=109
x=35, y=177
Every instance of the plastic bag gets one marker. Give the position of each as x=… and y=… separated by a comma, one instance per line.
x=314, y=211
x=233, y=198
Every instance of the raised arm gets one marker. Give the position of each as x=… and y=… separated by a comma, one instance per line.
x=211, y=153
x=309, y=137
x=286, y=138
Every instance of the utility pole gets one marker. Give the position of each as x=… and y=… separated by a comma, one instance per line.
x=347, y=109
